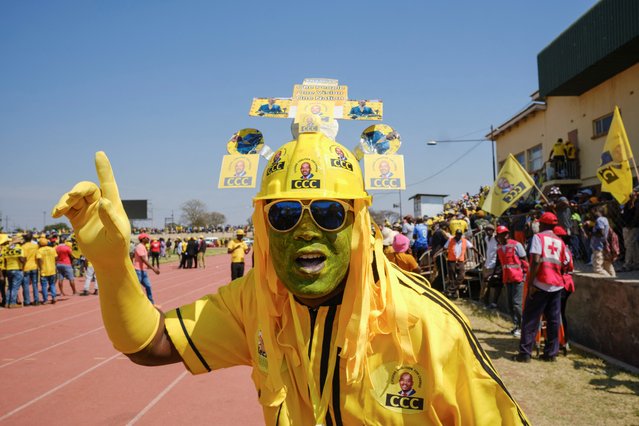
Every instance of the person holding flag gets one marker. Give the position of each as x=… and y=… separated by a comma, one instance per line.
x=614, y=171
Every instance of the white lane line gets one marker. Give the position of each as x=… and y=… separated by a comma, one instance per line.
x=13, y=361
x=26, y=357
x=57, y=388
x=47, y=324
x=156, y=399
x=74, y=302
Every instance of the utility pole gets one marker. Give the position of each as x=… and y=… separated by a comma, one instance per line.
x=492, y=146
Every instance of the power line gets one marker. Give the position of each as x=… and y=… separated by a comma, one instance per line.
x=442, y=170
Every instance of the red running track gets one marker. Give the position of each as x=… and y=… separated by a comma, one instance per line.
x=57, y=366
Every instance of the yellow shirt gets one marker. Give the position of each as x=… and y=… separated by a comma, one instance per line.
x=47, y=255
x=571, y=151
x=456, y=224
x=558, y=150
x=29, y=251
x=404, y=260
x=453, y=381
x=12, y=254
x=237, y=256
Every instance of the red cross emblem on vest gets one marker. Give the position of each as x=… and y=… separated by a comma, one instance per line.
x=553, y=248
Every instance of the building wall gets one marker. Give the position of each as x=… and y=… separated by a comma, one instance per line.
x=564, y=114
x=524, y=135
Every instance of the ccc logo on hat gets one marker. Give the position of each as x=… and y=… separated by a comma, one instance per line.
x=306, y=184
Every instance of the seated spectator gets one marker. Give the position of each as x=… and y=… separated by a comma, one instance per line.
x=401, y=255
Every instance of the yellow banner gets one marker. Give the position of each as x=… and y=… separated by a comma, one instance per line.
x=614, y=171
x=319, y=93
x=511, y=184
x=363, y=109
x=384, y=171
x=270, y=107
x=238, y=171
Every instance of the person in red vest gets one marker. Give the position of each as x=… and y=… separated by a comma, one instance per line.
x=457, y=252
x=545, y=282
x=512, y=259
x=569, y=283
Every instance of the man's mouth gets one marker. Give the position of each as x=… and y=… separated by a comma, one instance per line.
x=311, y=263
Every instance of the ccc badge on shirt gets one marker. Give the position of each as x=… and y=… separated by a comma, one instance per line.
x=262, y=356
x=401, y=390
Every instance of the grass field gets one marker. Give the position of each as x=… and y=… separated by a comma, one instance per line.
x=578, y=389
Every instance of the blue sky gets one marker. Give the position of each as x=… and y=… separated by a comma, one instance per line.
x=161, y=86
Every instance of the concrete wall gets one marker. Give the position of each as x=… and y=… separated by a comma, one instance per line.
x=603, y=314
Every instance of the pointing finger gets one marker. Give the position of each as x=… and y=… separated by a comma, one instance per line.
x=107, y=180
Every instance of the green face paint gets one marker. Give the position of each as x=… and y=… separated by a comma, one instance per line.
x=310, y=262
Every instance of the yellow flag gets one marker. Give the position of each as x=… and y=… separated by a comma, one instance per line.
x=614, y=171
x=511, y=184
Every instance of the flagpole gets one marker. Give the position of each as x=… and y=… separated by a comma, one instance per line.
x=541, y=193
x=531, y=178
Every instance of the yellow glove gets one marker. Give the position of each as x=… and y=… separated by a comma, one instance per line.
x=103, y=233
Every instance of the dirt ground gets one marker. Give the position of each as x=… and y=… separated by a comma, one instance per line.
x=578, y=389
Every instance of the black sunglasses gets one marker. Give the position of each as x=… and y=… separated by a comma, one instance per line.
x=328, y=215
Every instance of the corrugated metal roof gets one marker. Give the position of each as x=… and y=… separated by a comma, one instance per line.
x=601, y=44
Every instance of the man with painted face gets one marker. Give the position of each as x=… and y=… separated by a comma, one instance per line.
x=326, y=322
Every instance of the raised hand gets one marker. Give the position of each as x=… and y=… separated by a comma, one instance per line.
x=97, y=216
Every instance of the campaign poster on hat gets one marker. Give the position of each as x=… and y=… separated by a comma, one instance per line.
x=238, y=171
x=270, y=107
x=384, y=171
x=245, y=141
x=363, y=109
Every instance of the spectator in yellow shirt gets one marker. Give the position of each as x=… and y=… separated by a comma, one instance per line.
x=458, y=224
x=571, y=160
x=4, y=240
x=29, y=250
x=46, y=257
x=14, y=262
x=558, y=158
x=237, y=248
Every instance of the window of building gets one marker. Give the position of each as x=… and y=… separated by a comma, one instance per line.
x=601, y=125
x=535, y=159
x=521, y=157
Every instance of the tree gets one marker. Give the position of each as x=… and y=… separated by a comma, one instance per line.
x=216, y=219
x=194, y=213
x=379, y=216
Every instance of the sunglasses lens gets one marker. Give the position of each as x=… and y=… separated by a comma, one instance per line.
x=328, y=214
x=284, y=215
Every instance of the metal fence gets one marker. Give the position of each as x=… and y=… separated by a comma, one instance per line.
x=435, y=266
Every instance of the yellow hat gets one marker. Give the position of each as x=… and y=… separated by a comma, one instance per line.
x=310, y=168
x=43, y=242
x=239, y=232
x=4, y=238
